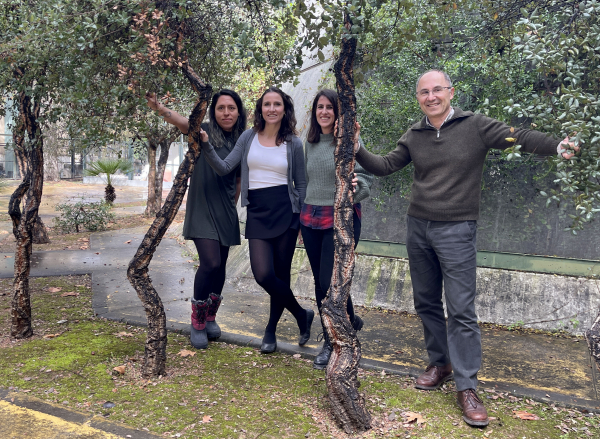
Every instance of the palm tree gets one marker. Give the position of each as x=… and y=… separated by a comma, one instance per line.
x=108, y=167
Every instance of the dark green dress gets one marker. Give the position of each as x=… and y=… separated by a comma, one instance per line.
x=210, y=210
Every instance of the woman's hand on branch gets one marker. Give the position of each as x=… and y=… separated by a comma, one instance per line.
x=203, y=135
x=152, y=101
x=170, y=116
x=354, y=183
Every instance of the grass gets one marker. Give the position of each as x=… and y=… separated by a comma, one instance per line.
x=226, y=390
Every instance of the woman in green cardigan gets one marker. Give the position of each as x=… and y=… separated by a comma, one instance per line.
x=316, y=218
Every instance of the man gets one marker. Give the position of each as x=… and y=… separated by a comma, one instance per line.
x=448, y=148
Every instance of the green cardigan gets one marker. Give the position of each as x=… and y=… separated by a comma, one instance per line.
x=320, y=174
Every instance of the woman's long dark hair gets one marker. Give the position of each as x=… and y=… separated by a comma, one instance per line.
x=314, y=131
x=215, y=132
x=288, y=123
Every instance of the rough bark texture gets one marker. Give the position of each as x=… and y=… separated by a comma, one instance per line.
x=24, y=222
x=156, y=341
x=156, y=171
x=592, y=337
x=347, y=403
x=40, y=234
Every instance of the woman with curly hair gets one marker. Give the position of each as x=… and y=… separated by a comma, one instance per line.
x=273, y=188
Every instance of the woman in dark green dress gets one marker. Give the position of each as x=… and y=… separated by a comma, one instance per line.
x=211, y=219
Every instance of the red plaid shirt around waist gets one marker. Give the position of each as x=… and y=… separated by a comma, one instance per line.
x=321, y=217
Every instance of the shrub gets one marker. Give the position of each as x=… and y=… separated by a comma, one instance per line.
x=92, y=216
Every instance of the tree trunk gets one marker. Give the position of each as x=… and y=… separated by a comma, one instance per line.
x=165, y=144
x=156, y=172
x=348, y=405
x=137, y=273
x=592, y=336
x=24, y=222
x=151, y=208
x=40, y=234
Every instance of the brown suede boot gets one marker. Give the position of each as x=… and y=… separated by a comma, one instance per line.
x=474, y=413
x=434, y=377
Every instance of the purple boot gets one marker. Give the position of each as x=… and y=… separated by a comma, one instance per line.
x=212, y=329
x=198, y=335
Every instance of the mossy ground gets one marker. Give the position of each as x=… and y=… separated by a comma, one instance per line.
x=226, y=390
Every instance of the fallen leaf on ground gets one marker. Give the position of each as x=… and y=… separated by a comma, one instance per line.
x=47, y=336
x=526, y=415
x=297, y=356
x=54, y=289
x=6, y=256
x=414, y=417
x=120, y=369
x=206, y=419
x=70, y=293
x=127, y=242
x=186, y=353
x=124, y=334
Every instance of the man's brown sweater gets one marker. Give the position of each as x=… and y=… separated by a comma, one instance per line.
x=449, y=162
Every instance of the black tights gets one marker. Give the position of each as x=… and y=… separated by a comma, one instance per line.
x=320, y=251
x=271, y=262
x=210, y=276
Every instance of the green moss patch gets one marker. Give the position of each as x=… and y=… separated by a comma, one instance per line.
x=226, y=390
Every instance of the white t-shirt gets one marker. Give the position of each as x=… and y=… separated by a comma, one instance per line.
x=267, y=165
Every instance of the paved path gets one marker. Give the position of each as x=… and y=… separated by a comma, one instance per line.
x=537, y=366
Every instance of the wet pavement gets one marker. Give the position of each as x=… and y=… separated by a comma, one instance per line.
x=537, y=366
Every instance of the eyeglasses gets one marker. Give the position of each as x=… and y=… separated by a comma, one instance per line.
x=436, y=92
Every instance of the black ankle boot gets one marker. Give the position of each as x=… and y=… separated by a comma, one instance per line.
x=357, y=323
x=268, y=348
x=305, y=336
x=322, y=359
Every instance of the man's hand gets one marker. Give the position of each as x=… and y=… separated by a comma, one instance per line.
x=354, y=183
x=356, y=135
x=566, y=144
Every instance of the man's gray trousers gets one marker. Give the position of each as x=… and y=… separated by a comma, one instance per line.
x=444, y=253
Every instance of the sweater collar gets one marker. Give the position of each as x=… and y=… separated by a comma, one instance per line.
x=450, y=114
x=456, y=114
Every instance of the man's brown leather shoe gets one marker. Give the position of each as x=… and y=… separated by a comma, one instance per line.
x=434, y=377
x=474, y=413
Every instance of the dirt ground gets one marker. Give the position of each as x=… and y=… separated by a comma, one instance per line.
x=128, y=208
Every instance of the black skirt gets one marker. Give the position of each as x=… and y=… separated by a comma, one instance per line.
x=269, y=213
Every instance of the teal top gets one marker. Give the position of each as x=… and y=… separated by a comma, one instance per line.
x=320, y=174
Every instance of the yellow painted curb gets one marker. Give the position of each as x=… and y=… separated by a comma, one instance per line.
x=19, y=423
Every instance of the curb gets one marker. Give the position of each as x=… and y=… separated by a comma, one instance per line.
x=73, y=416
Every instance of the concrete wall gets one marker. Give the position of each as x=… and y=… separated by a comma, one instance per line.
x=542, y=301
